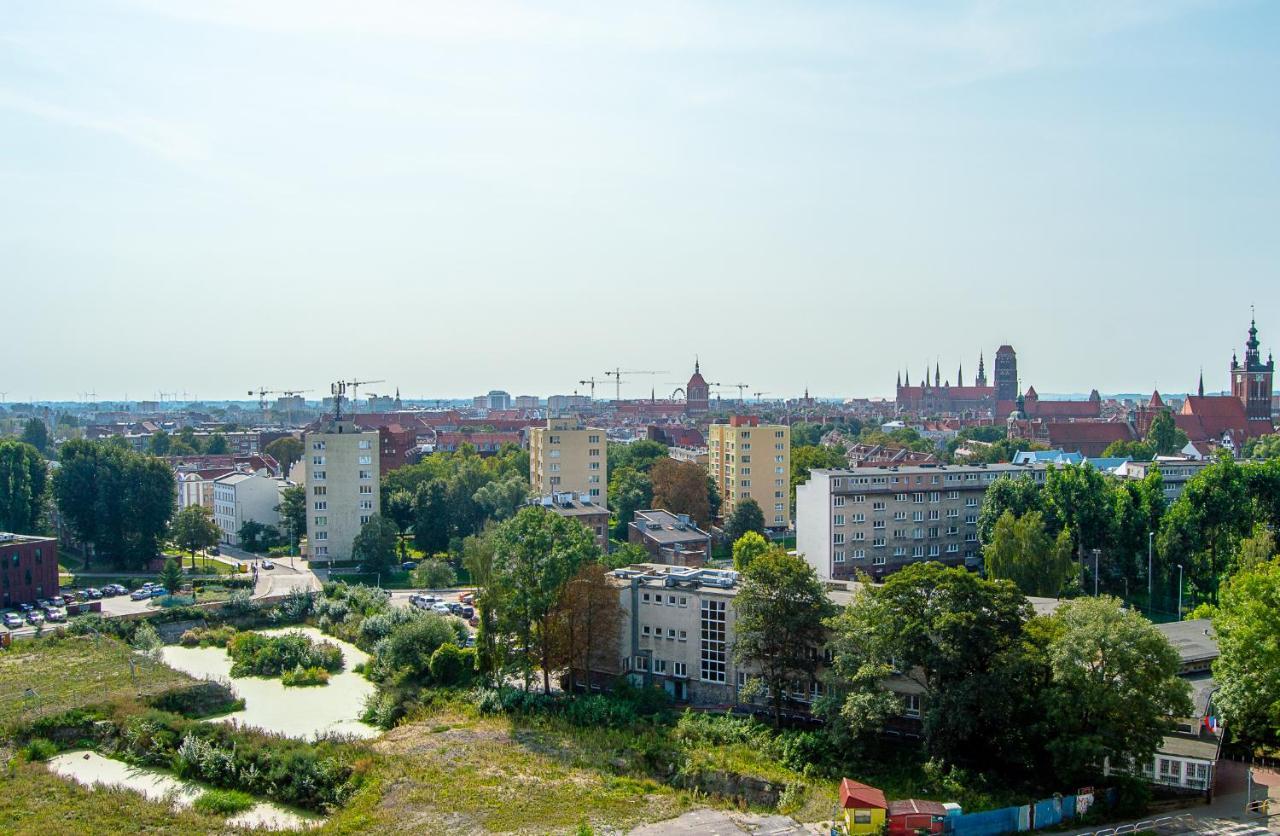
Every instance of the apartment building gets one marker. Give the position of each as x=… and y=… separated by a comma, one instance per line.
x=28, y=568
x=877, y=520
x=747, y=459
x=593, y=517
x=568, y=456
x=1175, y=472
x=670, y=539
x=341, y=474
x=241, y=497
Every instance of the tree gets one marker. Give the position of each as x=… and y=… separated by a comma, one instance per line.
x=293, y=512
x=1020, y=496
x=160, y=443
x=193, y=529
x=1202, y=527
x=746, y=516
x=638, y=455
x=1138, y=509
x=587, y=623
x=806, y=459
x=1256, y=549
x=714, y=500
x=478, y=558
x=431, y=517
x=23, y=483
x=434, y=574
x=1248, y=668
x=1080, y=498
x=1115, y=687
x=286, y=450
x=1139, y=451
x=747, y=548
x=217, y=445
x=171, y=576
x=780, y=611
x=1022, y=551
x=536, y=552
x=500, y=499
x=681, y=488
x=35, y=433
x=1164, y=435
x=256, y=537
x=397, y=506
x=626, y=554
x=1266, y=447
x=188, y=441
x=629, y=491
x=375, y=545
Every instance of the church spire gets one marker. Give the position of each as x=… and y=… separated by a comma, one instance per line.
x=1200, y=390
x=960, y=375
x=937, y=374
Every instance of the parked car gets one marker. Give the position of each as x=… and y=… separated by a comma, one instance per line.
x=474, y=621
x=12, y=620
x=409, y=565
x=467, y=597
x=58, y=601
x=43, y=602
x=266, y=564
x=213, y=550
x=34, y=618
x=454, y=607
x=53, y=614
x=157, y=591
x=113, y=589
x=140, y=594
x=468, y=612
x=443, y=609
x=470, y=642
x=93, y=593
x=26, y=608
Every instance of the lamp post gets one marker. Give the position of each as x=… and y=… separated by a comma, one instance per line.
x=1096, y=554
x=1179, y=591
x=1150, y=579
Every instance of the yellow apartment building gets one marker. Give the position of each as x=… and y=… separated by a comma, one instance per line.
x=750, y=459
x=568, y=456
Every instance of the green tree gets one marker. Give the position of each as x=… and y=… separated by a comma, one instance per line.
x=1021, y=550
x=193, y=529
x=35, y=433
x=626, y=554
x=1248, y=668
x=779, y=612
x=747, y=548
x=1019, y=496
x=1165, y=436
x=1204, y=524
x=257, y=537
x=293, y=513
x=451, y=665
x=806, y=459
x=434, y=574
x=160, y=443
x=171, y=576
x=216, y=445
x=639, y=456
x=681, y=488
x=1256, y=549
x=478, y=558
x=714, y=500
x=500, y=499
x=23, y=487
x=1080, y=498
x=536, y=553
x=1139, y=505
x=397, y=506
x=746, y=516
x=1115, y=687
x=629, y=491
x=431, y=517
x=286, y=450
x=375, y=545
x=188, y=441
x=587, y=625
x=1266, y=447
x=1139, y=451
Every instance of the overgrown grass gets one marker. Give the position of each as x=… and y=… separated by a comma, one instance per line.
x=224, y=802
x=42, y=677
x=301, y=677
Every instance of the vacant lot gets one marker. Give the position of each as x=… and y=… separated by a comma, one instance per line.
x=39, y=677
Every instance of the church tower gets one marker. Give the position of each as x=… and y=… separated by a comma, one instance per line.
x=697, y=394
x=1006, y=373
x=1251, y=381
x=981, y=380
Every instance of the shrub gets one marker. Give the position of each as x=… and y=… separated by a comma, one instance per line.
x=200, y=699
x=240, y=603
x=407, y=650
x=301, y=676
x=254, y=654
x=208, y=636
x=434, y=574
x=382, y=709
x=224, y=802
x=452, y=665
x=39, y=749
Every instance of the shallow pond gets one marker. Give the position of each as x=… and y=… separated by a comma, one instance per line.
x=297, y=712
x=90, y=768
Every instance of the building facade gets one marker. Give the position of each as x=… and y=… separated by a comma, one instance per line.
x=28, y=568
x=239, y=498
x=580, y=509
x=670, y=539
x=341, y=476
x=697, y=394
x=878, y=520
x=568, y=456
x=750, y=460
x=1252, y=380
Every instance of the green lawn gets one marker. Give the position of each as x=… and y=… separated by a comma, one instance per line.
x=40, y=677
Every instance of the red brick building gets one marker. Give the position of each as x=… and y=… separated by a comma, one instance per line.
x=28, y=568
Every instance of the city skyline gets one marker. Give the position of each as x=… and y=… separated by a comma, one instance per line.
x=217, y=197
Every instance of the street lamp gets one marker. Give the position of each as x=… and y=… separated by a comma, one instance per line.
x=1179, y=591
x=1096, y=553
x=1150, y=580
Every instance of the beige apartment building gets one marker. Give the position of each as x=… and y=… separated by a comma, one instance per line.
x=567, y=456
x=341, y=478
x=748, y=459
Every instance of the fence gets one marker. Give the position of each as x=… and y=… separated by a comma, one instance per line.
x=1048, y=812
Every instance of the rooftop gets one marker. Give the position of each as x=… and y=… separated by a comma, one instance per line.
x=666, y=527
x=10, y=539
x=1193, y=639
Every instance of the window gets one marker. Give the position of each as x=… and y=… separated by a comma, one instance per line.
x=910, y=705
x=367, y=489
x=837, y=501
x=322, y=535
x=684, y=636
x=714, y=654
x=862, y=817
x=859, y=554
x=319, y=490
x=659, y=665
x=877, y=560
x=366, y=460
x=364, y=518
x=365, y=444
x=317, y=474
x=644, y=629
x=366, y=505
x=317, y=459
x=641, y=663
x=645, y=597
x=837, y=539
x=323, y=505
x=366, y=474
x=322, y=520
x=838, y=557
x=679, y=669
x=317, y=445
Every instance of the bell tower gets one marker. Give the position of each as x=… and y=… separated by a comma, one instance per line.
x=1251, y=381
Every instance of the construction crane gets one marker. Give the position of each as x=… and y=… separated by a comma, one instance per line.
x=741, y=387
x=355, y=392
x=288, y=409
x=758, y=394
x=617, y=374
x=591, y=381
x=262, y=400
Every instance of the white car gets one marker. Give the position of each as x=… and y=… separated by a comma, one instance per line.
x=140, y=594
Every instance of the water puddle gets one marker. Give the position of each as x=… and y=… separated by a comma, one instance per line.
x=296, y=712
x=91, y=769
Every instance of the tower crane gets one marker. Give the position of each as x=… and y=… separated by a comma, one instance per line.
x=591, y=381
x=262, y=400
x=355, y=392
x=617, y=374
x=741, y=387
x=758, y=394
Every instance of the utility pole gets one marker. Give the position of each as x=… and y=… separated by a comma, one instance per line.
x=1151, y=535
x=1096, y=554
x=1179, y=591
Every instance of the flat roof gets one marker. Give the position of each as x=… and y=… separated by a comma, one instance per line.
x=8, y=538
x=929, y=469
x=1193, y=639
x=1201, y=748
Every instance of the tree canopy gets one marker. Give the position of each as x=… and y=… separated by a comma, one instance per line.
x=23, y=487
x=1247, y=624
x=193, y=529
x=35, y=433
x=681, y=488
x=746, y=516
x=1021, y=550
x=747, y=548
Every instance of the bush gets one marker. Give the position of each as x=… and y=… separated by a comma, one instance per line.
x=254, y=654
x=301, y=676
x=240, y=603
x=434, y=574
x=224, y=802
x=382, y=709
x=200, y=699
x=208, y=636
x=453, y=665
x=39, y=749
x=408, y=649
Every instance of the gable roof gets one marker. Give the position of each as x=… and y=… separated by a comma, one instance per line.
x=855, y=794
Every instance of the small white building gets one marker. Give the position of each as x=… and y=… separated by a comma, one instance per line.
x=241, y=497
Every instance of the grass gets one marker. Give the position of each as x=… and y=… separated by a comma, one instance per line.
x=301, y=677
x=224, y=802
x=41, y=677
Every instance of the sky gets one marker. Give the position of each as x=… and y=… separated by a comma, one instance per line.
x=212, y=197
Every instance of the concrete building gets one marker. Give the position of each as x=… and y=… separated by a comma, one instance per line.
x=241, y=497
x=1174, y=472
x=341, y=475
x=568, y=456
x=527, y=402
x=498, y=400
x=592, y=515
x=557, y=404
x=670, y=539
x=696, y=455
x=28, y=568
x=748, y=459
x=877, y=520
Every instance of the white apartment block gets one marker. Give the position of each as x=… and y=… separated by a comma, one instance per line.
x=567, y=456
x=241, y=497
x=878, y=519
x=341, y=477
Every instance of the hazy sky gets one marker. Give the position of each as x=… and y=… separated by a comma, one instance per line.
x=213, y=196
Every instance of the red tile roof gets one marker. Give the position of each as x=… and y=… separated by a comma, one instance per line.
x=911, y=805
x=855, y=794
